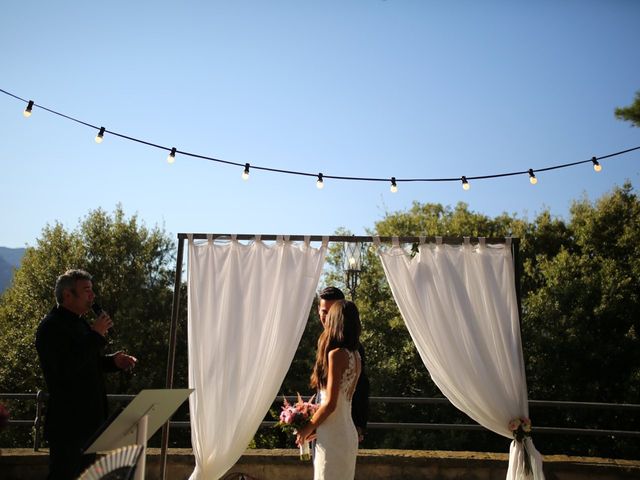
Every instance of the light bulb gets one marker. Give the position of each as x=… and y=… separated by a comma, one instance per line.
x=27, y=111
x=394, y=186
x=245, y=173
x=352, y=262
x=100, y=135
x=320, y=182
x=532, y=177
x=596, y=165
x=172, y=156
x=465, y=183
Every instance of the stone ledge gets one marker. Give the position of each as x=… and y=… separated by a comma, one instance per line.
x=284, y=464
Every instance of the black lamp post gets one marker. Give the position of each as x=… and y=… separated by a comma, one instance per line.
x=352, y=266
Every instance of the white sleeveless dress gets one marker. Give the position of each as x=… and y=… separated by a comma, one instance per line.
x=337, y=441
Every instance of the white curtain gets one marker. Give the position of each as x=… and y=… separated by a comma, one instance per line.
x=248, y=306
x=459, y=305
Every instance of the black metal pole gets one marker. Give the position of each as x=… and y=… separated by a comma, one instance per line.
x=37, y=423
x=172, y=352
x=341, y=238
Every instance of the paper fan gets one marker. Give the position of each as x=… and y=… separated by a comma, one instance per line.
x=118, y=464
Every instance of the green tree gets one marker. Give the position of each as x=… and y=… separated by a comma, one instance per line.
x=582, y=321
x=132, y=268
x=630, y=113
x=580, y=326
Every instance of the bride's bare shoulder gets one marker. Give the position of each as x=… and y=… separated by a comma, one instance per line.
x=339, y=355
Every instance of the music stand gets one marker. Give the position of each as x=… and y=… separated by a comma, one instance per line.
x=137, y=423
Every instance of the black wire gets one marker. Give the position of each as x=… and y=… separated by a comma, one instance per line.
x=333, y=177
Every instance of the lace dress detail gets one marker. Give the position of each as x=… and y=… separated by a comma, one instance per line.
x=337, y=442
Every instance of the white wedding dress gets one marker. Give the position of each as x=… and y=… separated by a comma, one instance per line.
x=337, y=437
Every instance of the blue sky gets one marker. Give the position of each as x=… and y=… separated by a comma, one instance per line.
x=411, y=89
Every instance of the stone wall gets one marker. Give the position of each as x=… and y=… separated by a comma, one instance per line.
x=25, y=464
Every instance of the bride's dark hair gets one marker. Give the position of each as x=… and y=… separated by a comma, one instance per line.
x=341, y=330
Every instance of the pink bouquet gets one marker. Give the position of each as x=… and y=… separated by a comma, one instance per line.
x=295, y=416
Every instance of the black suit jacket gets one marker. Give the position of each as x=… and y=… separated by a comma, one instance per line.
x=73, y=362
x=360, y=400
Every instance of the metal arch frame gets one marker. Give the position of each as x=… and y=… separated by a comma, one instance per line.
x=515, y=252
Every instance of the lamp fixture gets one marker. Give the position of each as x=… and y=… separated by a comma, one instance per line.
x=596, y=165
x=100, y=135
x=353, y=253
x=27, y=111
x=532, y=177
x=320, y=182
x=245, y=174
x=394, y=186
x=465, y=183
x=172, y=156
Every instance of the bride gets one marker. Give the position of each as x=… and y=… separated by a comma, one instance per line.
x=335, y=374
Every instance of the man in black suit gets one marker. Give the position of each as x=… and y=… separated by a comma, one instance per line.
x=360, y=400
x=71, y=353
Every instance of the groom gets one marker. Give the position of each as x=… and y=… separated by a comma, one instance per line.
x=360, y=401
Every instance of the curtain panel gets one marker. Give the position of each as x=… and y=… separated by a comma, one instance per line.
x=459, y=305
x=248, y=306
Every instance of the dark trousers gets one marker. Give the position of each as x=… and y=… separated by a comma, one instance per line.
x=66, y=461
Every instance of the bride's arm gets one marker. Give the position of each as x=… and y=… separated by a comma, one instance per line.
x=338, y=362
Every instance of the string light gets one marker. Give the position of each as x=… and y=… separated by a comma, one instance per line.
x=27, y=111
x=245, y=174
x=532, y=177
x=596, y=165
x=394, y=186
x=172, y=156
x=320, y=182
x=100, y=135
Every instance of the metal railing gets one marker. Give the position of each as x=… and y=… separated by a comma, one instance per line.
x=633, y=409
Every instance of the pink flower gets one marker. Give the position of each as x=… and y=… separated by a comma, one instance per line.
x=520, y=427
x=514, y=424
x=286, y=416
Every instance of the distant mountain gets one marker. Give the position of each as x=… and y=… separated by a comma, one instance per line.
x=9, y=260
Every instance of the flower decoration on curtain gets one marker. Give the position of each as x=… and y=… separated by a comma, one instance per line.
x=521, y=429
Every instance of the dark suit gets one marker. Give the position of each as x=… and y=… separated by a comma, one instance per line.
x=73, y=362
x=360, y=400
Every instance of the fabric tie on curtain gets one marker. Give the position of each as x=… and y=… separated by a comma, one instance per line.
x=248, y=306
x=459, y=305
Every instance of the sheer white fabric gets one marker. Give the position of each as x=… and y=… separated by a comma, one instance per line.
x=248, y=305
x=459, y=305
